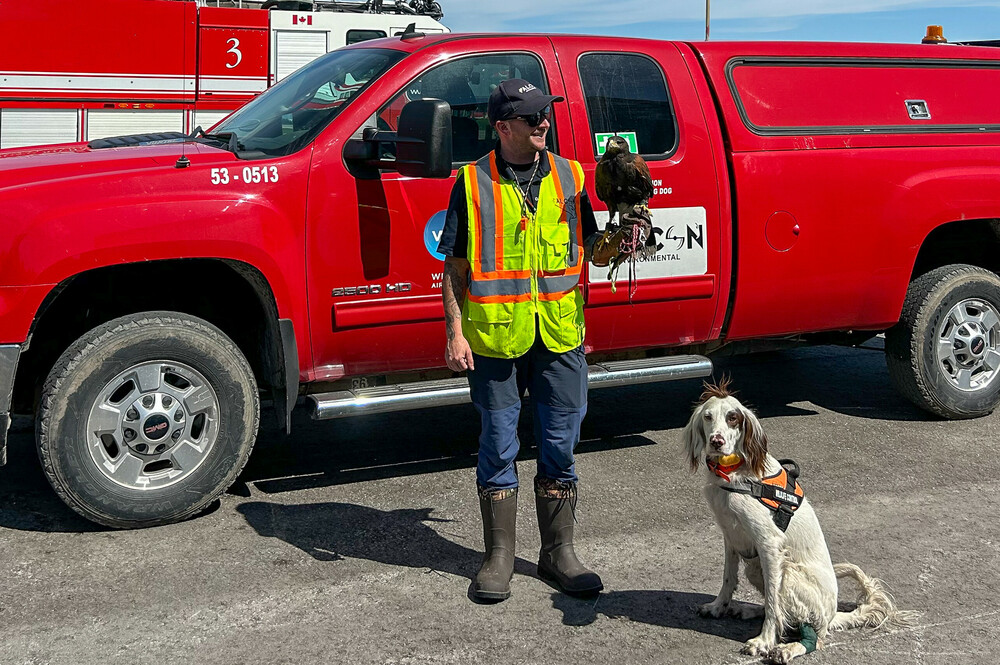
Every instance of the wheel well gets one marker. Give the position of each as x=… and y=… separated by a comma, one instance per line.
x=231, y=295
x=973, y=241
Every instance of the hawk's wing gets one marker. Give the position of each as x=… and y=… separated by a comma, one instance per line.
x=604, y=182
x=640, y=184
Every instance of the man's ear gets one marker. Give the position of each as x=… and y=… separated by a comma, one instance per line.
x=502, y=127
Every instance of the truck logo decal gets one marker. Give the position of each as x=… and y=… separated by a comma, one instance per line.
x=304, y=20
x=685, y=246
x=432, y=234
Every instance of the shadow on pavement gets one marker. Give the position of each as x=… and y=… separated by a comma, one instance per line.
x=854, y=382
x=669, y=609
x=334, y=531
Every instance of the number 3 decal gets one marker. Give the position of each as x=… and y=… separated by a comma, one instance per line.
x=235, y=50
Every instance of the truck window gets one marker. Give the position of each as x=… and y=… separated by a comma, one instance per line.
x=355, y=36
x=626, y=94
x=290, y=115
x=466, y=84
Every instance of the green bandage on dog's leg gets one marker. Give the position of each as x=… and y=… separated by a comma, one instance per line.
x=809, y=637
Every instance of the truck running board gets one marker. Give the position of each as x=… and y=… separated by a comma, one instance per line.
x=405, y=396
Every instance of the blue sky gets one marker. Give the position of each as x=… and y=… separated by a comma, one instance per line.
x=799, y=20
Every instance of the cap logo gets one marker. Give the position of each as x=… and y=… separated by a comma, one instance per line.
x=526, y=88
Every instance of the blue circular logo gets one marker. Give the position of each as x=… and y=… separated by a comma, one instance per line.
x=432, y=234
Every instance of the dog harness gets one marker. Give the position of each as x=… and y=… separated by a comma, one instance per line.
x=781, y=492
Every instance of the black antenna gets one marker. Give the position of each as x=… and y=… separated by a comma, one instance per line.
x=183, y=162
x=411, y=33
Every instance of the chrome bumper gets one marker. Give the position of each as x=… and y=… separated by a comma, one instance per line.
x=9, y=353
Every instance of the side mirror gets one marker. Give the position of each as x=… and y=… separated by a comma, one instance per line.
x=423, y=143
x=423, y=139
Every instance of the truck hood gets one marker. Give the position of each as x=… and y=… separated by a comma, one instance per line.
x=21, y=167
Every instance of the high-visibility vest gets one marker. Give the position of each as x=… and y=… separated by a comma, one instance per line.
x=523, y=266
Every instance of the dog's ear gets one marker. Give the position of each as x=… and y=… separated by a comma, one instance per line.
x=694, y=438
x=754, y=442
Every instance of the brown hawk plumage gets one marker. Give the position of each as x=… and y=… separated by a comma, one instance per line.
x=623, y=184
x=622, y=179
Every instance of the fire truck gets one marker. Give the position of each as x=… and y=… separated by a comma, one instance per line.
x=74, y=71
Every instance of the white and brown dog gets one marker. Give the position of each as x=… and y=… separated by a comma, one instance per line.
x=768, y=523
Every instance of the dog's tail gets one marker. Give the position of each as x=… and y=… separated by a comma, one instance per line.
x=876, y=607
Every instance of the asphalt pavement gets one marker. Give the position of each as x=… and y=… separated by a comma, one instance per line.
x=355, y=541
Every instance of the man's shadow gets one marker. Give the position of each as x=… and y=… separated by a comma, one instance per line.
x=669, y=609
x=335, y=531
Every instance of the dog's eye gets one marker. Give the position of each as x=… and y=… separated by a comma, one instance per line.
x=708, y=417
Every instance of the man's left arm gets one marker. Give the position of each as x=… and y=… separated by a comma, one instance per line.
x=588, y=226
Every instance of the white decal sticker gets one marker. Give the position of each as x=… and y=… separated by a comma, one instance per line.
x=251, y=174
x=685, y=247
x=235, y=50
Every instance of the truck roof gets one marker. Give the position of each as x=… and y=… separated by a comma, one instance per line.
x=723, y=49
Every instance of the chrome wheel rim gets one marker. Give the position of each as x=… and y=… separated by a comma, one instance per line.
x=967, y=343
x=153, y=425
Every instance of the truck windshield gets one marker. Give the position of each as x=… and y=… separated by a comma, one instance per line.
x=291, y=114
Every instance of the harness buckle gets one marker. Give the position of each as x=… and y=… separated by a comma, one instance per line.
x=782, y=516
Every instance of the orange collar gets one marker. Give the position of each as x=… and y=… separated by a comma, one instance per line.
x=724, y=465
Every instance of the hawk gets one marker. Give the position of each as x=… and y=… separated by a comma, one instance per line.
x=623, y=184
x=622, y=179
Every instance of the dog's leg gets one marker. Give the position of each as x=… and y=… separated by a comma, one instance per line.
x=730, y=578
x=771, y=557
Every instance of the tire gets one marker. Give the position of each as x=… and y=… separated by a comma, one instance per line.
x=944, y=354
x=147, y=419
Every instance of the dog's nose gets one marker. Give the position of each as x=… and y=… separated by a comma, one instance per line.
x=717, y=441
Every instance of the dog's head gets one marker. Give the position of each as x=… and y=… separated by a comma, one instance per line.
x=721, y=425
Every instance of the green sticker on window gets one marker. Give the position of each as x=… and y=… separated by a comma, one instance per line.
x=602, y=141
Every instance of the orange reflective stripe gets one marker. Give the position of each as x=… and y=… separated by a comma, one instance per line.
x=486, y=300
x=498, y=215
x=477, y=222
x=558, y=185
x=504, y=274
x=578, y=188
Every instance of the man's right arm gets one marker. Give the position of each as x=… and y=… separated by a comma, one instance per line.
x=457, y=354
x=454, y=237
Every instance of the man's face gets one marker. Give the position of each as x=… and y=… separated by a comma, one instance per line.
x=520, y=136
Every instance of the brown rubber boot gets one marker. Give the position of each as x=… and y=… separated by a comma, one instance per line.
x=555, y=503
x=499, y=510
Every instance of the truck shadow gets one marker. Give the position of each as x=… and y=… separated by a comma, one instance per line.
x=339, y=531
x=668, y=609
x=852, y=382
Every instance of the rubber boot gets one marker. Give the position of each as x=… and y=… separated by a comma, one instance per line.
x=555, y=503
x=499, y=510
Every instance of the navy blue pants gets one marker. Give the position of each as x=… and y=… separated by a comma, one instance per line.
x=557, y=385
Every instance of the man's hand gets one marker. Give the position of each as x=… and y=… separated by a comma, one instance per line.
x=457, y=353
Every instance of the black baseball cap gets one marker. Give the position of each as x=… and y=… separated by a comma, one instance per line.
x=516, y=97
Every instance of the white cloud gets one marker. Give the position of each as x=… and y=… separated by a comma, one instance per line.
x=589, y=15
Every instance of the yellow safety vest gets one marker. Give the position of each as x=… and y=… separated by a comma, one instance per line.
x=521, y=267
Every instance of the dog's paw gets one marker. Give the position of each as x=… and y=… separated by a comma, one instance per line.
x=714, y=609
x=757, y=646
x=784, y=653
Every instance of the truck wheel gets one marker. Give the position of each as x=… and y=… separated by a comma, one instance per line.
x=147, y=419
x=944, y=354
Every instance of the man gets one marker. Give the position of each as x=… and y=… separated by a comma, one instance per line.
x=513, y=238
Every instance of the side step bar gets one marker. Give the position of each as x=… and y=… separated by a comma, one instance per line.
x=402, y=397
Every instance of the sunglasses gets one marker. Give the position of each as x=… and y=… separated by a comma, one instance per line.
x=535, y=118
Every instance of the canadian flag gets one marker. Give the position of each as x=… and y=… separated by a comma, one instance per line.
x=305, y=20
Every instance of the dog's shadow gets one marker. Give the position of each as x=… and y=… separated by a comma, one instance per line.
x=668, y=609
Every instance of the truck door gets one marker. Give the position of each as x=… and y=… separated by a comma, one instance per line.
x=380, y=307
x=648, y=97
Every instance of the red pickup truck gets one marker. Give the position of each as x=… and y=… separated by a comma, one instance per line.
x=154, y=288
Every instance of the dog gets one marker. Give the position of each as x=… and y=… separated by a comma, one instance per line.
x=791, y=567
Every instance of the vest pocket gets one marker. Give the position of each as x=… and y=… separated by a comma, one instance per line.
x=513, y=241
x=555, y=246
